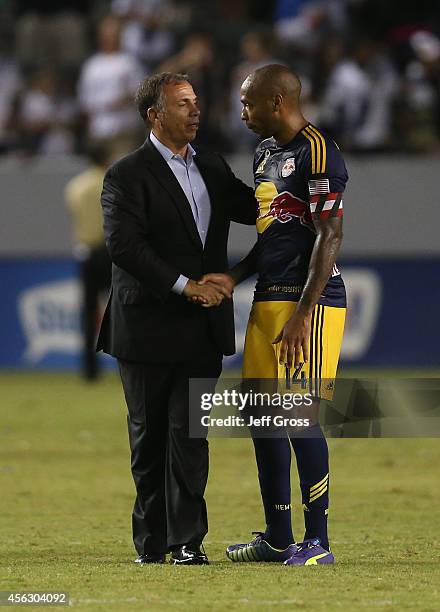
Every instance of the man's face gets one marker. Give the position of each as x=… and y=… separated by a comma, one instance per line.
x=257, y=112
x=179, y=119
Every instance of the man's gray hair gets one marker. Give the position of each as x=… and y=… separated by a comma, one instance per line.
x=150, y=91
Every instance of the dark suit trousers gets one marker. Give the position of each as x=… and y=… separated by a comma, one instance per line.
x=170, y=470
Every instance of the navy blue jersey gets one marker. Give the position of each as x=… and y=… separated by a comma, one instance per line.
x=293, y=182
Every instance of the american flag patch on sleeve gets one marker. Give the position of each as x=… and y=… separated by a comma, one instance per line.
x=326, y=205
x=319, y=186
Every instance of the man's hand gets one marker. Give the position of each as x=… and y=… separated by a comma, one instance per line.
x=205, y=295
x=295, y=337
x=222, y=282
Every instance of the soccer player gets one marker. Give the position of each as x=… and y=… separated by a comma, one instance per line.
x=297, y=318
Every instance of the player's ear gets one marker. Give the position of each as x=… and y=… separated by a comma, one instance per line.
x=277, y=101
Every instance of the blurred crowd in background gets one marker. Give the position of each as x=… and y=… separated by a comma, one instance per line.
x=69, y=69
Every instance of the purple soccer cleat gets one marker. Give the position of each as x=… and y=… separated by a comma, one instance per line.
x=259, y=550
x=310, y=552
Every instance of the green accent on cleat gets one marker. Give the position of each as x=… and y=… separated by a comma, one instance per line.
x=258, y=550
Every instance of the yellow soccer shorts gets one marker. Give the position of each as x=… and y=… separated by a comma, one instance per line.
x=260, y=358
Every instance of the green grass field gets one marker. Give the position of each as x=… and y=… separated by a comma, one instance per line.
x=66, y=495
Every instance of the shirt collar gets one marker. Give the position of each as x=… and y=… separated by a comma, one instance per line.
x=167, y=154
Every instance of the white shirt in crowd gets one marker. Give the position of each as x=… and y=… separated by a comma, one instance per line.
x=107, y=84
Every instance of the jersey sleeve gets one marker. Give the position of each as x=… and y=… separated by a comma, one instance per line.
x=326, y=176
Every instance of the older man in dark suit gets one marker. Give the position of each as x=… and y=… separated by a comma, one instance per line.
x=167, y=210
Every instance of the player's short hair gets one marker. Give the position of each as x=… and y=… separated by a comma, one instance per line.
x=150, y=91
x=277, y=78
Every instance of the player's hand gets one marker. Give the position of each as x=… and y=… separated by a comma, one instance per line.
x=294, y=338
x=221, y=281
x=205, y=295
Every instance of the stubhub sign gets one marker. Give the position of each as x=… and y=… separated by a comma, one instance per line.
x=364, y=297
x=50, y=318
x=388, y=324
x=40, y=322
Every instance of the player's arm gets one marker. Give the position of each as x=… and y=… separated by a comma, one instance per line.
x=296, y=333
x=246, y=267
x=327, y=244
x=226, y=281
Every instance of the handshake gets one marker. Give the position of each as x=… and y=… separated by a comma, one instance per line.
x=210, y=290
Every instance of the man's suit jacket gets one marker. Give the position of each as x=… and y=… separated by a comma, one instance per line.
x=152, y=238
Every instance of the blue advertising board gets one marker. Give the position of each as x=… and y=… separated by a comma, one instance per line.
x=40, y=313
x=392, y=318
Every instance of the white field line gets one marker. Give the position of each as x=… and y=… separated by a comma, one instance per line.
x=180, y=602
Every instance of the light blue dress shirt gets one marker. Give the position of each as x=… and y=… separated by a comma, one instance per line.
x=193, y=185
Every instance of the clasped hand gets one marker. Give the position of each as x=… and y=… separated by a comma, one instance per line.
x=210, y=290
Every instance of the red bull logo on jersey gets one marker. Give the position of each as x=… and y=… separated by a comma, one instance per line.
x=284, y=207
